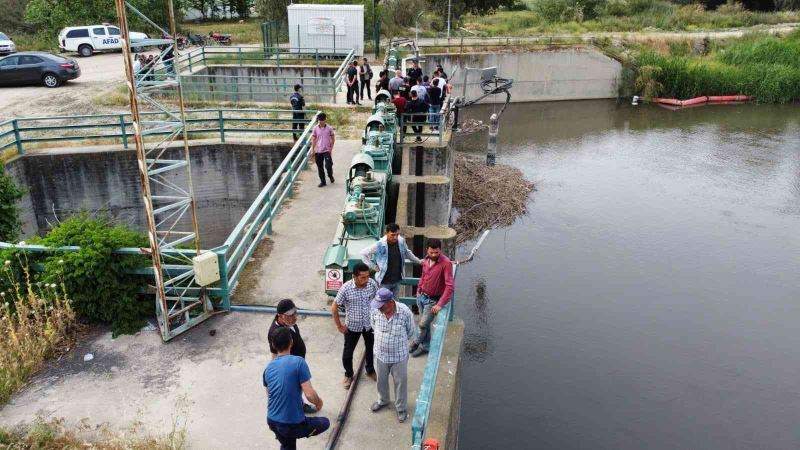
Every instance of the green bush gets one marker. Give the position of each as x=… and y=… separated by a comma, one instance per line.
x=94, y=278
x=10, y=193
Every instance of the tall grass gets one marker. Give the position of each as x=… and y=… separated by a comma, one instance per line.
x=35, y=322
x=247, y=32
x=767, y=68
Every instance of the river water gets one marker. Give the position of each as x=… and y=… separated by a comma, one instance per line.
x=650, y=299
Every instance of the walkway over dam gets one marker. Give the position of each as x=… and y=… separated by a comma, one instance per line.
x=210, y=376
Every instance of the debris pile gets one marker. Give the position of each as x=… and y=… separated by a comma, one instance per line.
x=487, y=197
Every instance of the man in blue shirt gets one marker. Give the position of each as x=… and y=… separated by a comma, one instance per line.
x=286, y=378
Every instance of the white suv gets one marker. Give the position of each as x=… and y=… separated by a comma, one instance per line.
x=93, y=38
x=6, y=45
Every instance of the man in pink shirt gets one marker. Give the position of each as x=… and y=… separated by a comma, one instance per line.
x=322, y=139
x=433, y=293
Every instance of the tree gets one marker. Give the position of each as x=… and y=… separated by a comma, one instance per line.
x=13, y=16
x=53, y=15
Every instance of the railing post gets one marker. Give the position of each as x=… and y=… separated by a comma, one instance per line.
x=190, y=62
x=224, y=285
x=290, y=174
x=240, y=56
x=221, y=126
x=16, y=136
x=124, y=132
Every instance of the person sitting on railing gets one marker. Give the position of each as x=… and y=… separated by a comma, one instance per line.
x=419, y=109
x=433, y=293
x=387, y=257
x=393, y=323
x=298, y=104
x=434, y=102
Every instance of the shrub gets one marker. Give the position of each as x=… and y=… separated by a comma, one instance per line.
x=554, y=10
x=10, y=193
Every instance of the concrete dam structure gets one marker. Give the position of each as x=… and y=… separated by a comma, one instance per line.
x=575, y=73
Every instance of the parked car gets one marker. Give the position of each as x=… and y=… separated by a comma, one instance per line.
x=6, y=44
x=37, y=68
x=94, y=38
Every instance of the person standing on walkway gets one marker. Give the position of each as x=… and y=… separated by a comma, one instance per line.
x=387, y=258
x=351, y=79
x=419, y=109
x=393, y=323
x=433, y=293
x=298, y=104
x=355, y=295
x=401, y=104
x=286, y=378
x=434, y=103
x=396, y=81
x=287, y=318
x=383, y=82
x=365, y=76
x=322, y=140
x=414, y=73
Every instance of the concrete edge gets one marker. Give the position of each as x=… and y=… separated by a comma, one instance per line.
x=445, y=414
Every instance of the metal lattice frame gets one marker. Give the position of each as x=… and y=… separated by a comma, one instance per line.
x=180, y=302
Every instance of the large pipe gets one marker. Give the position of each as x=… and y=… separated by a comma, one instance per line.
x=273, y=310
x=342, y=416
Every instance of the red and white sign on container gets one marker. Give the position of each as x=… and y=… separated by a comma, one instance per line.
x=333, y=279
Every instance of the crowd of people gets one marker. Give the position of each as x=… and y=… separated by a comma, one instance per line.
x=414, y=93
x=371, y=312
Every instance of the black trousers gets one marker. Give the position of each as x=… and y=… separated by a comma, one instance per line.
x=350, y=341
x=297, y=125
x=324, y=158
x=352, y=92
x=369, y=92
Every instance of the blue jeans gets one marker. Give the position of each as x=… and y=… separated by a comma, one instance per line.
x=433, y=114
x=425, y=305
x=392, y=287
x=289, y=433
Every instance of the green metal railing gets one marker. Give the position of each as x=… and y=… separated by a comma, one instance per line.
x=430, y=125
x=428, y=386
x=17, y=133
x=199, y=75
x=234, y=254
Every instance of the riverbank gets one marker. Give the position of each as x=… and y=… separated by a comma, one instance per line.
x=762, y=66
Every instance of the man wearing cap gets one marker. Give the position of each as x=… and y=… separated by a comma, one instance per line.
x=287, y=318
x=387, y=258
x=393, y=323
x=433, y=293
x=285, y=378
x=355, y=296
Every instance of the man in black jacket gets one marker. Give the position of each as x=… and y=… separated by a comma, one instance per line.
x=414, y=73
x=419, y=108
x=298, y=104
x=287, y=318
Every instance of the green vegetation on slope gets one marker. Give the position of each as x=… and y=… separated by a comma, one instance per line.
x=765, y=67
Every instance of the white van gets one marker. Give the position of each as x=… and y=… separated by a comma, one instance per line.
x=93, y=38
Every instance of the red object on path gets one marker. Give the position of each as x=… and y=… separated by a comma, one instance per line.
x=702, y=100
x=430, y=444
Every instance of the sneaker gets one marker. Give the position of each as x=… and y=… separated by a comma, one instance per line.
x=347, y=382
x=321, y=185
x=372, y=376
x=419, y=352
x=402, y=416
x=309, y=409
x=331, y=177
x=418, y=139
x=377, y=406
x=413, y=347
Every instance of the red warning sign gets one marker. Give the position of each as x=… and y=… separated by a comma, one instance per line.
x=333, y=279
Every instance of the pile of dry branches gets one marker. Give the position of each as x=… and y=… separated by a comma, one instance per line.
x=487, y=196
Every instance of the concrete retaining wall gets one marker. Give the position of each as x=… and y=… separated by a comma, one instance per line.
x=260, y=83
x=545, y=75
x=227, y=178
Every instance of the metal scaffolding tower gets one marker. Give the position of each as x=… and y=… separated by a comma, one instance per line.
x=171, y=213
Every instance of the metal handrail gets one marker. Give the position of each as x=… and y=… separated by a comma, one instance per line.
x=427, y=388
x=122, y=122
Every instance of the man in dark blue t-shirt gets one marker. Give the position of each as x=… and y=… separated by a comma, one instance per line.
x=286, y=378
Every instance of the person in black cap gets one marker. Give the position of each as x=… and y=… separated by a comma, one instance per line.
x=298, y=104
x=287, y=318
